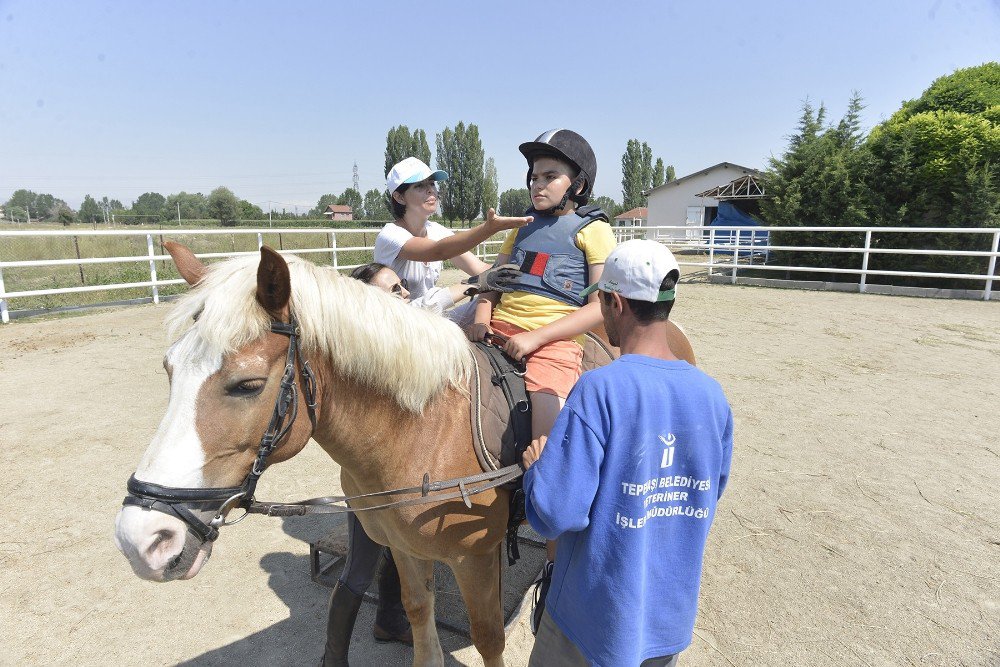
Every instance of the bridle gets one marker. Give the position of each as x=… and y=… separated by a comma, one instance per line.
x=178, y=501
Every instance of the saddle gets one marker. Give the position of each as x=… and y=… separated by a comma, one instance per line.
x=501, y=411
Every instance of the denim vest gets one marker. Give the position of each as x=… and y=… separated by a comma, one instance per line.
x=545, y=250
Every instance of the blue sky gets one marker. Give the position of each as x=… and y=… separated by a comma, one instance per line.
x=277, y=100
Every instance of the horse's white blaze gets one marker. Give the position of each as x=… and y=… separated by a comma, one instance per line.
x=152, y=540
x=175, y=456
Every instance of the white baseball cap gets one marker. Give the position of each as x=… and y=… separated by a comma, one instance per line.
x=635, y=269
x=411, y=170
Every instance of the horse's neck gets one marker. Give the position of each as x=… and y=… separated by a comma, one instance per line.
x=380, y=443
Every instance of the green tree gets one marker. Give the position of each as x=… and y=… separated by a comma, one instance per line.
x=670, y=174
x=491, y=187
x=608, y=205
x=64, y=214
x=646, y=172
x=150, y=206
x=375, y=205
x=91, y=211
x=248, y=211
x=17, y=213
x=23, y=199
x=460, y=153
x=972, y=90
x=447, y=151
x=320, y=208
x=632, y=175
x=515, y=202
x=400, y=144
x=193, y=206
x=224, y=206
x=419, y=147
x=659, y=174
x=352, y=198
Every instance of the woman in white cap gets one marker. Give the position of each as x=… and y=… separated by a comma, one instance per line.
x=415, y=247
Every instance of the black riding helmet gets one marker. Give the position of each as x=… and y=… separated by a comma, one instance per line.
x=569, y=146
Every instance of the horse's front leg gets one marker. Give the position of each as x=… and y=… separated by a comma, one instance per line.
x=479, y=580
x=417, y=579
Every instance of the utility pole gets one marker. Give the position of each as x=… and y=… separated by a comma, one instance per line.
x=27, y=207
x=357, y=187
x=178, y=214
x=269, y=207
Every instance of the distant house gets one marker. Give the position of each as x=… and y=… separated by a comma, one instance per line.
x=635, y=217
x=681, y=201
x=338, y=212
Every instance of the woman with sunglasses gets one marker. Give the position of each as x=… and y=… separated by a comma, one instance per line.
x=415, y=247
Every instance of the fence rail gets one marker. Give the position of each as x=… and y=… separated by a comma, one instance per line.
x=717, y=249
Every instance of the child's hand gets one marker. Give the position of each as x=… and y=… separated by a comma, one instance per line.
x=477, y=332
x=533, y=451
x=521, y=345
x=496, y=223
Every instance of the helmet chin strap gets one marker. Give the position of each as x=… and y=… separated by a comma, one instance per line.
x=573, y=187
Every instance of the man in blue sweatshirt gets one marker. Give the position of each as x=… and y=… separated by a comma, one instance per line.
x=627, y=482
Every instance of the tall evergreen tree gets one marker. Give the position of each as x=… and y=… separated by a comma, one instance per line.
x=490, y=186
x=398, y=145
x=419, y=147
x=632, y=183
x=446, y=150
x=670, y=174
x=460, y=153
x=659, y=174
x=646, y=175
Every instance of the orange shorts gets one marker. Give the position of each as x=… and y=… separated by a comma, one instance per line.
x=551, y=369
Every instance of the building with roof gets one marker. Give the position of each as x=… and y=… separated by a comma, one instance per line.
x=687, y=200
x=633, y=218
x=338, y=212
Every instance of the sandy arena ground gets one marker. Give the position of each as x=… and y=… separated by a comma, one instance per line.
x=861, y=525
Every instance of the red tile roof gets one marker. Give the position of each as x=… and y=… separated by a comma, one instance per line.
x=639, y=212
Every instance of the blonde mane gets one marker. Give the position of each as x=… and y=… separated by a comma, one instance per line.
x=365, y=334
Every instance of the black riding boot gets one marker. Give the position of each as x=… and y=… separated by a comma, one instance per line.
x=344, y=605
x=390, y=619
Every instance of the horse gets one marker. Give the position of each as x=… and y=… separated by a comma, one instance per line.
x=385, y=393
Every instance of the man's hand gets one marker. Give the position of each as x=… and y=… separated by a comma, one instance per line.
x=521, y=345
x=533, y=451
x=496, y=279
x=497, y=223
x=477, y=331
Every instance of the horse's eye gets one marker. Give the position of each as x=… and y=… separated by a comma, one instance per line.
x=246, y=388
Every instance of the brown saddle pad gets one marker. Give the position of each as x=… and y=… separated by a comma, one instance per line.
x=492, y=432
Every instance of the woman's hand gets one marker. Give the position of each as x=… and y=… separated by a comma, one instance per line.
x=477, y=331
x=533, y=451
x=521, y=345
x=496, y=223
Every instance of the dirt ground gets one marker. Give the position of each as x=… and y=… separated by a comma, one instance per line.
x=861, y=524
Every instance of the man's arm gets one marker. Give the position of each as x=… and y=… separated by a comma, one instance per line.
x=727, y=453
x=561, y=485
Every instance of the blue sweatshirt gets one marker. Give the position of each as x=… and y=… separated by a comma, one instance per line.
x=628, y=482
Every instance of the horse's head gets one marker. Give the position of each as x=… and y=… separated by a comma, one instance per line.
x=227, y=390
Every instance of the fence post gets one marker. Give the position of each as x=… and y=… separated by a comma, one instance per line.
x=736, y=253
x=864, y=262
x=76, y=244
x=711, y=251
x=333, y=247
x=152, y=267
x=986, y=292
x=4, y=315
x=260, y=240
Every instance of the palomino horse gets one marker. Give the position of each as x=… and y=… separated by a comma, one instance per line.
x=389, y=403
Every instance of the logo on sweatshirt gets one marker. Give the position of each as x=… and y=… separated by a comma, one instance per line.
x=668, y=451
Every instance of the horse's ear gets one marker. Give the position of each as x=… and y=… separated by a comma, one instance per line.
x=274, y=284
x=190, y=267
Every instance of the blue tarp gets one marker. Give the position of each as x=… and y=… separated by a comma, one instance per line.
x=730, y=216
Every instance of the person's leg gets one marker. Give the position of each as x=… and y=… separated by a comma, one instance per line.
x=390, y=619
x=359, y=569
x=553, y=648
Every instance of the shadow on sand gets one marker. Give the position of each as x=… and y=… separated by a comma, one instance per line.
x=298, y=640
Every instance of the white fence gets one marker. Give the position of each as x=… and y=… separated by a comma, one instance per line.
x=716, y=249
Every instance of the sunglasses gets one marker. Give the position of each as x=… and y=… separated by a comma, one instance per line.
x=398, y=288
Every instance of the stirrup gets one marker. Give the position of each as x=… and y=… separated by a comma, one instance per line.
x=538, y=596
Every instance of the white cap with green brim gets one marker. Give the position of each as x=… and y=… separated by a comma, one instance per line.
x=636, y=269
x=411, y=170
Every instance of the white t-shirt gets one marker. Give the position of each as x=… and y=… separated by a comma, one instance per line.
x=419, y=276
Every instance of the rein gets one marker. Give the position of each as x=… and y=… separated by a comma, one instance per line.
x=179, y=501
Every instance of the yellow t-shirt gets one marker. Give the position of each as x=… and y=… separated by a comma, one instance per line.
x=531, y=311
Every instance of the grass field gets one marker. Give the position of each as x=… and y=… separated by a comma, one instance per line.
x=26, y=248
